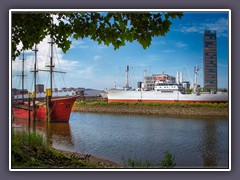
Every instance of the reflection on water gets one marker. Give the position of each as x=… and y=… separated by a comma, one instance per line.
x=211, y=144
x=57, y=134
x=193, y=142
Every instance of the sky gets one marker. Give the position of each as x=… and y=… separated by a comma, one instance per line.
x=90, y=65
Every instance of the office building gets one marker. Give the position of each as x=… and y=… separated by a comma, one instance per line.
x=210, y=60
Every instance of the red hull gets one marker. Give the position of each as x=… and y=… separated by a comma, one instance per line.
x=61, y=110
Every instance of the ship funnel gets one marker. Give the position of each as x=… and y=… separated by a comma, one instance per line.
x=177, y=78
x=180, y=77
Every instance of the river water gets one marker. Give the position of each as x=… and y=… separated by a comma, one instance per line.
x=195, y=143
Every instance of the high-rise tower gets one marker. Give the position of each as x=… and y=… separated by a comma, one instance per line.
x=210, y=60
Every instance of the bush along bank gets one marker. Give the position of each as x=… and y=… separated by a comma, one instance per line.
x=162, y=109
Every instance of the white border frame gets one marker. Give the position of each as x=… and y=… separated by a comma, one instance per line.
x=120, y=10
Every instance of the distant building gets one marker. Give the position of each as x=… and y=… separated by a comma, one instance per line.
x=210, y=60
x=19, y=93
x=14, y=92
x=55, y=89
x=92, y=92
x=39, y=88
x=149, y=82
x=80, y=91
x=186, y=85
x=71, y=89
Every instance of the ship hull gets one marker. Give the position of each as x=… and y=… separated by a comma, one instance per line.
x=60, y=110
x=158, y=96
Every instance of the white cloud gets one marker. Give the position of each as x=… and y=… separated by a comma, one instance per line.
x=170, y=43
x=191, y=29
x=101, y=47
x=222, y=65
x=78, y=44
x=98, y=58
x=43, y=58
x=129, y=58
x=180, y=44
x=220, y=25
x=158, y=43
x=153, y=57
x=84, y=72
x=168, y=51
x=83, y=47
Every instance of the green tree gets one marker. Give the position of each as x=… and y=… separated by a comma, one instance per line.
x=200, y=90
x=189, y=91
x=116, y=28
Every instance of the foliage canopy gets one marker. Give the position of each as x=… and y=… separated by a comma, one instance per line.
x=116, y=28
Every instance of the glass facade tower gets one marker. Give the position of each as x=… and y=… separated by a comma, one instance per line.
x=210, y=60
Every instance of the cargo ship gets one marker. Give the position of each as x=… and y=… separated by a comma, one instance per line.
x=164, y=90
x=51, y=108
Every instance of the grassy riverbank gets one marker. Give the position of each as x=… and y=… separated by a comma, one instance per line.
x=162, y=109
x=30, y=151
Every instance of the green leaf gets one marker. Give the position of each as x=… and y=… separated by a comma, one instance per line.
x=111, y=28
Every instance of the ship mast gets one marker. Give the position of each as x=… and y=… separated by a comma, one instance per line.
x=196, y=69
x=23, y=78
x=35, y=68
x=51, y=66
x=35, y=83
x=127, y=81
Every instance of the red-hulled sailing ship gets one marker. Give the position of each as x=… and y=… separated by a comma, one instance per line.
x=60, y=110
x=52, y=109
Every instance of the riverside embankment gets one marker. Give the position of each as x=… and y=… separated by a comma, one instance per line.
x=160, y=109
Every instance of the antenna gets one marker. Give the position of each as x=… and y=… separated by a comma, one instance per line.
x=145, y=72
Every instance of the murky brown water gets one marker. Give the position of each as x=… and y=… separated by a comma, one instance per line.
x=195, y=143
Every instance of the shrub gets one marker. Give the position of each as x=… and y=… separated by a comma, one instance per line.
x=168, y=160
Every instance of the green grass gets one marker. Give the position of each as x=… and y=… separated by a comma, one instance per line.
x=166, y=162
x=175, y=104
x=29, y=150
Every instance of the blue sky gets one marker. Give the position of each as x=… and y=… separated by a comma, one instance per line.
x=96, y=66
